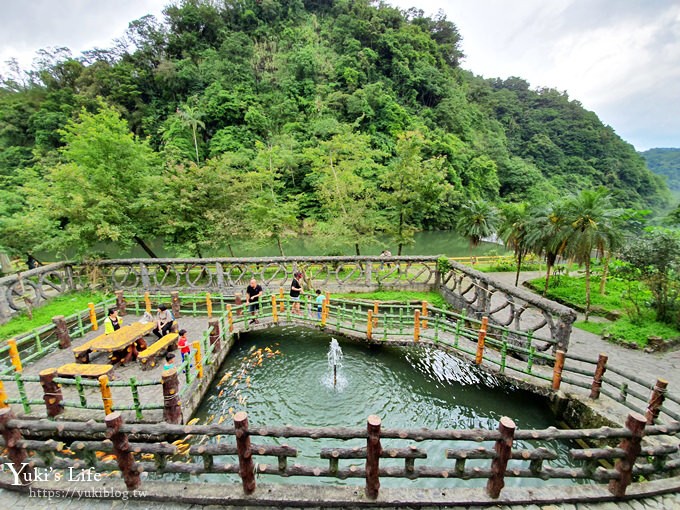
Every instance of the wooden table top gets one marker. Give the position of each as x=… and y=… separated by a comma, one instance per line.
x=121, y=338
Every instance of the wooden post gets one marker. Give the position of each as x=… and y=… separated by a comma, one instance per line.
x=172, y=410
x=481, y=339
x=175, y=304
x=373, y=451
x=503, y=450
x=51, y=392
x=214, y=325
x=230, y=319
x=62, y=332
x=121, y=449
x=147, y=302
x=246, y=469
x=375, y=313
x=198, y=360
x=93, y=317
x=282, y=301
x=597, y=377
x=557, y=370
x=238, y=301
x=15, y=453
x=14, y=355
x=636, y=424
x=208, y=304
x=120, y=303
x=656, y=401
x=369, y=325
x=416, y=326
x=423, y=315
x=3, y=396
x=106, y=394
x=275, y=311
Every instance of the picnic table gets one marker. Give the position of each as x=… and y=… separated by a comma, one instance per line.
x=119, y=340
x=91, y=370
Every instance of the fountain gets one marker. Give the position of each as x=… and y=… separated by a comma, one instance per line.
x=335, y=359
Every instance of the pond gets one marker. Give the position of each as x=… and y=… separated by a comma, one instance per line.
x=282, y=377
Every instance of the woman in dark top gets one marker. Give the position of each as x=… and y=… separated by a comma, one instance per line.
x=295, y=291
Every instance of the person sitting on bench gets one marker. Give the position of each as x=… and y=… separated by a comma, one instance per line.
x=112, y=322
x=164, y=321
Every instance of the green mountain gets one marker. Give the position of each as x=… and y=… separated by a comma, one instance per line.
x=665, y=162
x=339, y=117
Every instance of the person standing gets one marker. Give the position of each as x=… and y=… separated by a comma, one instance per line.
x=320, y=298
x=253, y=294
x=295, y=291
x=183, y=344
x=112, y=322
x=164, y=321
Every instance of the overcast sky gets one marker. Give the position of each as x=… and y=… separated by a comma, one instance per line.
x=619, y=58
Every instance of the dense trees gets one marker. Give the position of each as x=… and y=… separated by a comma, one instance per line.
x=263, y=119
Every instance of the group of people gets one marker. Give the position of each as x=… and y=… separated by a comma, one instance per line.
x=164, y=323
x=254, y=293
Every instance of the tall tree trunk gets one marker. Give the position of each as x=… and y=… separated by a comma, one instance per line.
x=605, y=272
x=547, y=277
x=399, y=250
x=356, y=248
x=519, y=267
x=145, y=247
x=278, y=242
x=196, y=144
x=231, y=251
x=587, y=288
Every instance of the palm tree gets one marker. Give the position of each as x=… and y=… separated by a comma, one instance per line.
x=591, y=217
x=547, y=235
x=514, y=226
x=191, y=117
x=476, y=220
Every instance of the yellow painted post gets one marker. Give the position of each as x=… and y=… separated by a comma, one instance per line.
x=197, y=358
x=416, y=326
x=480, y=341
x=147, y=302
x=93, y=317
x=208, y=304
x=326, y=308
x=275, y=314
x=369, y=326
x=14, y=355
x=3, y=396
x=230, y=319
x=106, y=394
x=281, y=301
x=423, y=314
x=375, y=314
x=557, y=370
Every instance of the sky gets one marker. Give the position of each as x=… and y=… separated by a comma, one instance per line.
x=619, y=58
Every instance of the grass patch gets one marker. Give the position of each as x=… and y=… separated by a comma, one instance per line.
x=433, y=298
x=624, y=330
x=66, y=305
x=596, y=328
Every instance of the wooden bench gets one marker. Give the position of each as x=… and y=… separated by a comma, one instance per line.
x=82, y=352
x=91, y=370
x=148, y=356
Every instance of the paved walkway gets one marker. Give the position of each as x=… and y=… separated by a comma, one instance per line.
x=583, y=343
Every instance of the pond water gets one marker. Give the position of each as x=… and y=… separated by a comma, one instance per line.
x=282, y=377
x=426, y=243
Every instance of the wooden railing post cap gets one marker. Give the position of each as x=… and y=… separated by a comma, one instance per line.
x=47, y=371
x=507, y=423
x=6, y=414
x=662, y=382
x=636, y=417
x=169, y=373
x=240, y=417
x=374, y=420
x=57, y=318
x=113, y=419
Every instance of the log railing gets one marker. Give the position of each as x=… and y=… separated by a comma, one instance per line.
x=244, y=449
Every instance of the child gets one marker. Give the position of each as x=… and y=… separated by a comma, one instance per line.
x=183, y=344
x=169, y=361
x=319, y=303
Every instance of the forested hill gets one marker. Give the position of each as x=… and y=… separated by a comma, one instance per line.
x=263, y=117
x=665, y=162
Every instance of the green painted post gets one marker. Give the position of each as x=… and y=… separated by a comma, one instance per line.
x=459, y=326
x=22, y=392
x=504, y=353
x=530, y=338
x=624, y=391
x=38, y=343
x=135, y=398
x=530, y=360
x=436, y=328
x=386, y=327
x=80, y=324
x=187, y=370
x=354, y=317
x=81, y=392
x=401, y=321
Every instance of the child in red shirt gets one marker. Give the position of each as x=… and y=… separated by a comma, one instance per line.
x=183, y=344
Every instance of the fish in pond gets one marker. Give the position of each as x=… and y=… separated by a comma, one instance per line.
x=192, y=421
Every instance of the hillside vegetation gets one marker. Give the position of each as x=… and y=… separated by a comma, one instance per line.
x=665, y=162
x=265, y=119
